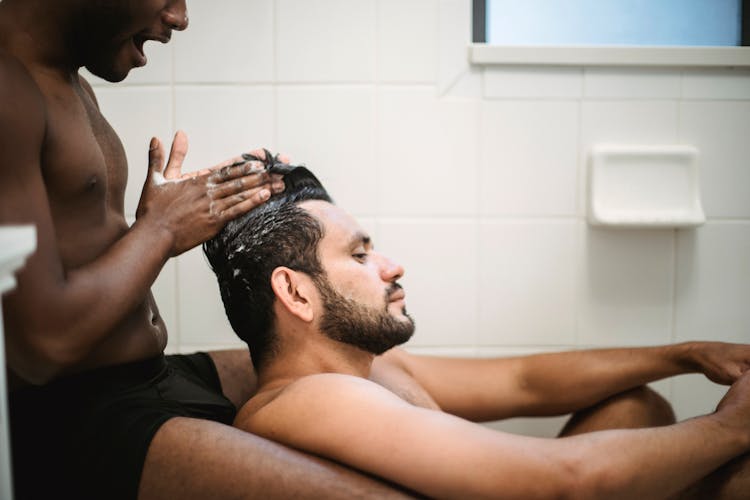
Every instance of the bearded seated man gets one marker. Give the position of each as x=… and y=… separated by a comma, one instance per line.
x=322, y=312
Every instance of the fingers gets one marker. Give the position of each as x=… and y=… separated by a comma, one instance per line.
x=232, y=207
x=235, y=197
x=176, y=156
x=155, y=155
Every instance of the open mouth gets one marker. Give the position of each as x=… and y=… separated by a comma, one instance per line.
x=141, y=38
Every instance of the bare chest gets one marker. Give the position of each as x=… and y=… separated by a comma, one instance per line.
x=85, y=173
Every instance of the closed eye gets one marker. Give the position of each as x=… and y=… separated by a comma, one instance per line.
x=361, y=257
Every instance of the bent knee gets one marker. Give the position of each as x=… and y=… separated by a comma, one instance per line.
x=647, y=405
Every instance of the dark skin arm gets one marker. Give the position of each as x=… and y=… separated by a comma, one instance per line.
x=58, y=314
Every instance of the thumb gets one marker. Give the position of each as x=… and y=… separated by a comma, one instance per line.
x=155, y=157
x=176, y=156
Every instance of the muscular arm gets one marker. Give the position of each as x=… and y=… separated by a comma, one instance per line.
x=57, y=315
x=358, y=423
x=558, y=383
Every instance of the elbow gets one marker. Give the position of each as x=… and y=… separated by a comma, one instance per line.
x=589, y=479
x=577, y=478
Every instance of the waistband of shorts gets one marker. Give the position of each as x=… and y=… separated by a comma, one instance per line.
x=115, y=376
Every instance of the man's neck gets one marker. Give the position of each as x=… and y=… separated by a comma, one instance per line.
x=315, y=354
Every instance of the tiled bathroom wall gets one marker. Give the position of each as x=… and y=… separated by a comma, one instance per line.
x=472, y=177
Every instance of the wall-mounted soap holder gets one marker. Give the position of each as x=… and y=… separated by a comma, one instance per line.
x=644, y=186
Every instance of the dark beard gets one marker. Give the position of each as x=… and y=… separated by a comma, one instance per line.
x=369, y=329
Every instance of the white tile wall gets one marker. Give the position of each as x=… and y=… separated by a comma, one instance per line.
x=720, y=130
x=529, y=156
x=412, y=20
x=332, y=130
x=528, y=293
x=608, y=83
x=536, y=83
x=713, y=283
x=227, y=42
x=325, y=40
x=223, y=121
x=473, y=178
x=627, y=280
x=427, y=153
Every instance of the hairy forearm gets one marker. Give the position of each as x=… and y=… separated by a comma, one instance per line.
x=569, y=381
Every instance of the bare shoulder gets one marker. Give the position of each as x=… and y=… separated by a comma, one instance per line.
x=22, y=120
x=323, y=392
x=21, y=97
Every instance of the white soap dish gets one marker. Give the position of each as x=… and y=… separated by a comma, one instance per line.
x=644, y=186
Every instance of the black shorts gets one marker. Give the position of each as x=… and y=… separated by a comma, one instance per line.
x=86, y=436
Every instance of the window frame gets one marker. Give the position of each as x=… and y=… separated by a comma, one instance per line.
x=603, y=55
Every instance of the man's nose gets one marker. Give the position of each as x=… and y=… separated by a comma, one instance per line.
x=175, y=15
x=390, y=270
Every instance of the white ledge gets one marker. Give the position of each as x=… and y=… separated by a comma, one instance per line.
x=732, y=57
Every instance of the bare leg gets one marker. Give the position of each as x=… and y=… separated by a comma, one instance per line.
x=636, y=408
x=198, y=459
x=238, y=379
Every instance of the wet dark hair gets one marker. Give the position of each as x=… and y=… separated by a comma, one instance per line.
x=244, y=254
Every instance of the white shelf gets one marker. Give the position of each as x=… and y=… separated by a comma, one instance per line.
x=644, y=186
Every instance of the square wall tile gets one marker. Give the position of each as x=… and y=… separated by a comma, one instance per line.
x=627, y=279
x=407, y=40
x=426, y=153
x=529, y=153
x=137, y=114
x=628, y=122
x=325, y=40
x=454, y=35
x=716, y=84
x=720, y=131
x=331, y=130
x=632, y=83
x=439, y=258
x=531, y=82
x=230, y=41
x=527, y=293
x=713, y=283
x=201, y=311
x=222, y=122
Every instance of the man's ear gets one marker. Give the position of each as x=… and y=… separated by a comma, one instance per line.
x=295, y=291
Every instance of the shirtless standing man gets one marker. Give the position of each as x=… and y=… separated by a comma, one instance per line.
x=96, y=411
x=303, y=285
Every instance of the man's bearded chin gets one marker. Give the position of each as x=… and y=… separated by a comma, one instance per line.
x=372, y=330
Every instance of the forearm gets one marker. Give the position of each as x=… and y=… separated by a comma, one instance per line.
x=652, y=463
x=56, y=318
x=563, y=382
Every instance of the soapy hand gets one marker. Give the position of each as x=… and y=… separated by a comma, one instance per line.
x=193, y=207
x=721, y=362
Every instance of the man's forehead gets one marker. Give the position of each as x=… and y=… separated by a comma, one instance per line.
x=336, y=221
